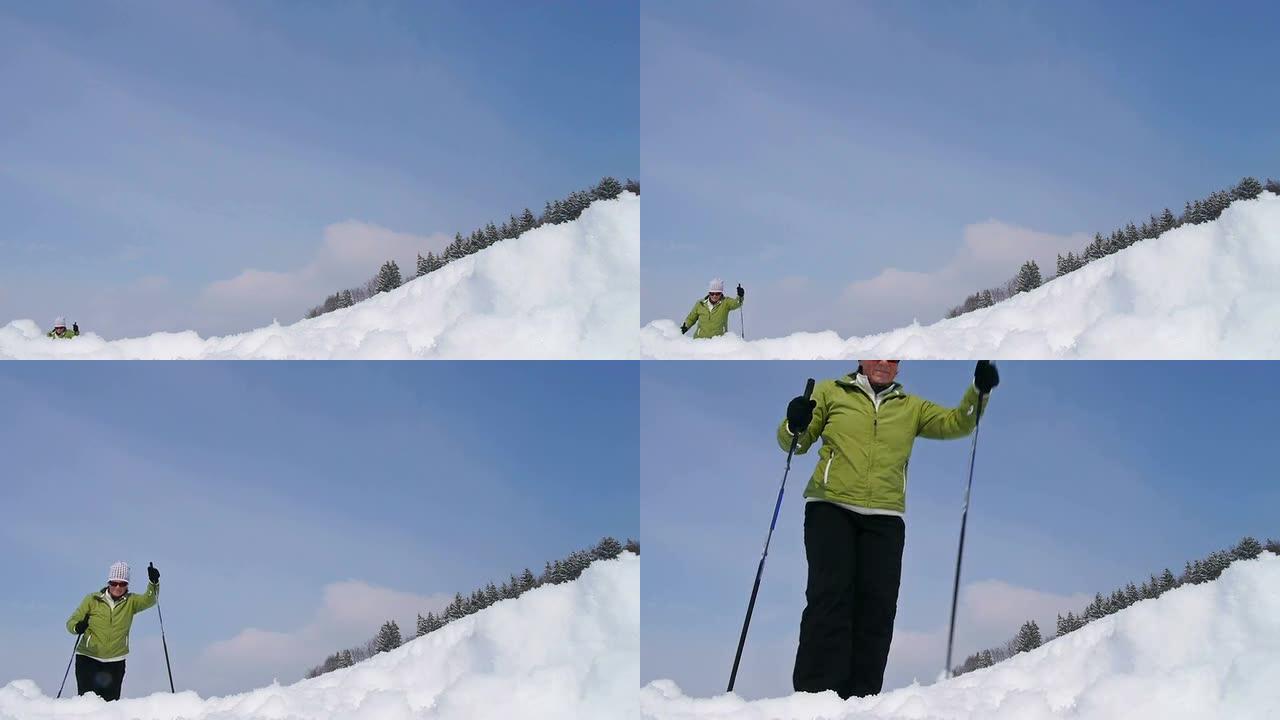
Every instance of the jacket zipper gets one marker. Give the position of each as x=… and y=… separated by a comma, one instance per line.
x=827, y=471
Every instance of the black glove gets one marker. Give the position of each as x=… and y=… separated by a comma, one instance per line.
x=741, y=293
x=82, y=625
x=800, y=413
x=985, y=376
x=684, y=329
x=153, y=574
x=75, y=328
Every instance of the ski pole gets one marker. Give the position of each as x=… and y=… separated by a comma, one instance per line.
x=964, y=518
x=755, y=589
x=68, y=672
x=164, y=642
x=742, y=320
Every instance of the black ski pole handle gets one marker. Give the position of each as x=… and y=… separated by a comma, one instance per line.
x=795, y=439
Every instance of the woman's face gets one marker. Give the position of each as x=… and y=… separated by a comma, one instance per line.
x=880, y=372
x=117, y=589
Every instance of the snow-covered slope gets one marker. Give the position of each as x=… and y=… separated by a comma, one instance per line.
x=560, y=651
x=1198, y=291
x=1200, y=651
x=559, y=291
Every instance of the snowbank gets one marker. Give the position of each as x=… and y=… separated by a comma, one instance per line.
x=561, y=651
x=1198, y=291
x=1201, y=651
x=557, y=292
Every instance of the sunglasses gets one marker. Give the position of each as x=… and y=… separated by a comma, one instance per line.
x=117, y=583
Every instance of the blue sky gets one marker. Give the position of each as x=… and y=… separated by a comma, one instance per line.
x=293, y=507
x=858, y=165
x=150, y=153
x=1089, y=475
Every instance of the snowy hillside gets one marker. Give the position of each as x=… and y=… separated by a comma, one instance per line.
x=1198, y=291
x=1200, y=651
x=556, y=292
x=560, y=651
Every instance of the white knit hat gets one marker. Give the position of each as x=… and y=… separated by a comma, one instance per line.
x=60, y=322
x=118, y=572
x=717, y=285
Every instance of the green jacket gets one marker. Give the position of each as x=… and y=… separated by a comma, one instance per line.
x=712, y=320
x=108, y=635
x=64, y=336
x=865, y=451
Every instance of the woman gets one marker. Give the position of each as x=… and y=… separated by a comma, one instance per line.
x=711, y=313
x=103, y=621
x=853, y=517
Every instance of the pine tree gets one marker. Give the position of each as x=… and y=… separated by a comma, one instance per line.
x=607, y=549
x=1167, y=581
x=1247, y=189
x=1272, y=546
x=632, y=546
x=1272, y=186
x=1028, y=637
x=1062, y=628
x=527, y=221
x=423, y=626
x=632, y=186
x=388, y=277
x=1131, y=594
x=388, y=638
x=454, y=611
x=1167, y=221
x=607, y=189
x=1247, y=549
x=423, y=266
x=1028, y=276
x=1096, y=609
x=527, y=581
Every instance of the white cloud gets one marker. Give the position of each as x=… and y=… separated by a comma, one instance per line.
x=350, y=612
x=989, y=614
x=349, y=254
x=990, y=254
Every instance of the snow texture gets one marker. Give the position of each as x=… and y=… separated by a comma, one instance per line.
x=1200, y=651
x=560, y=651
x=562, y=291
x=1196, y=292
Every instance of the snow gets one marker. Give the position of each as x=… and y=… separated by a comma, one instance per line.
x=1199, y=291
x=1200, y=651
x=560, y=651
x=562, y=291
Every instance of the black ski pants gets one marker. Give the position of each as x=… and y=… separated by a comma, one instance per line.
x=855, y=567
x=101, y=678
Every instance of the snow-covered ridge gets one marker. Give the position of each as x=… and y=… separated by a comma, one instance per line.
x=1198, y=651
x=556, y=292
x=559, y=651
x=1198, y=291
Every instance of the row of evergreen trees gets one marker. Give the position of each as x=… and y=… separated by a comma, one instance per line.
x=564, y=570
x=554, y=213
x=1196, y=572
x=1194, y=213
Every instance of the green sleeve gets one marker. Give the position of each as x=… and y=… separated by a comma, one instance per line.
x=942, y=423
x=146, y=599
x=80, y=612
x=816, y=425
x=692, y=317
x=734, y=303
